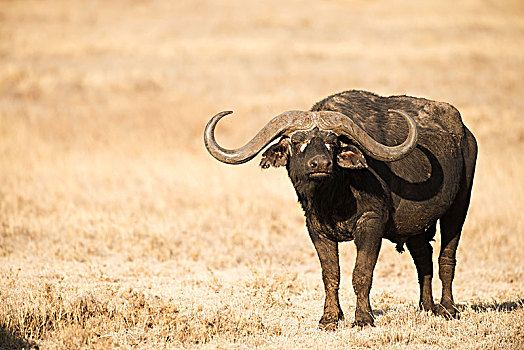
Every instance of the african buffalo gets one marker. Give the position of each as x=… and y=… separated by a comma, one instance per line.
x=367, y=167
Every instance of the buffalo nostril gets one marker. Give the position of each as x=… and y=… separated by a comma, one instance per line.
x=319, y=163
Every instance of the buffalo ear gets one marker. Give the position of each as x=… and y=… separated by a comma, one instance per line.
x=276, y=155
x=350, y=157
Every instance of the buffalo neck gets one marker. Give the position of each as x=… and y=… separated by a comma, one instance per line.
x=328, y=198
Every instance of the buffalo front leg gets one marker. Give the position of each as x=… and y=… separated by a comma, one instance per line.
x=327, y=251
x=368, y=238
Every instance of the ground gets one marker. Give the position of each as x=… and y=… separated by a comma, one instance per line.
x=118, y=230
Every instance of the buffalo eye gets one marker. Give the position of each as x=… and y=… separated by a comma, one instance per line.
x=350, y=157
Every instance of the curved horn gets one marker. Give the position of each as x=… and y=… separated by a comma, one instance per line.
x=341, y=124
x=292, y=120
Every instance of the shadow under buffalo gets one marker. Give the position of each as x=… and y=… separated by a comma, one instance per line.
x=10, y=340
x=506, y=306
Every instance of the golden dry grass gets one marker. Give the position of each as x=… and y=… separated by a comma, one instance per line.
x=117, y=230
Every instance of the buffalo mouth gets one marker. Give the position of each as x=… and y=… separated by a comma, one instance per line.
x=319, y=174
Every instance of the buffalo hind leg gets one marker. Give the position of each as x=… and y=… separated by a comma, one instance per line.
x=451, y=227
x=421, y=252
x=368, y=238
x=327, y=251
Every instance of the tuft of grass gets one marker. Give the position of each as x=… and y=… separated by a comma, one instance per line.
x=108, y=316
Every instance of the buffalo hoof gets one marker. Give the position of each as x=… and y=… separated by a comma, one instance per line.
x=329, y=327
x=329, y=321
x=428, y=306
x=433, y=310
x=361, y=323
x=447, y=311
x=363, y=320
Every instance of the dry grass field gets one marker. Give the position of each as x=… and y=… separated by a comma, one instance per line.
x=118, y=230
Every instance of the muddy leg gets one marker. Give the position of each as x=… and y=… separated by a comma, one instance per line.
x=447, y=262
x=327, y=251
x=421, y=252
x=451, y=228
x=368, y=240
